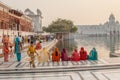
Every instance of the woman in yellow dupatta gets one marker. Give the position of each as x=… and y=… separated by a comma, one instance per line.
x=44, y=56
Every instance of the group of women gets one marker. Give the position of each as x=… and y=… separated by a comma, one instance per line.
x=63, y=55
x=7, y=48
x=76, y=56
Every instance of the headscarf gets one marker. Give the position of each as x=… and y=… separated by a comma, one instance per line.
x=82, y=48
x=75, y=50
x=93, y=54
x=94, y=49
x=56, y=51
x=64, y=50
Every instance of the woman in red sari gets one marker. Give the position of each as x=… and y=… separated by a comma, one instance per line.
x=38, y=46
x=83, y=54
x=75, y=55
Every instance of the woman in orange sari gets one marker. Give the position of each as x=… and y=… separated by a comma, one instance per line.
x=5, y=48
x=56, y=55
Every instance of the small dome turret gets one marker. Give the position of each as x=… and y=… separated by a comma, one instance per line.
x=111, y=18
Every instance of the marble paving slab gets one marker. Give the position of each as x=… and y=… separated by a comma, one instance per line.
x=113, y=74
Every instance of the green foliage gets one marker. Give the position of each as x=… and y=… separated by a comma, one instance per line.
x=61, y=25
x=74, y=29
x=44, y=28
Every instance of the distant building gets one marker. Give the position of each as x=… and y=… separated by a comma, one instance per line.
x=111, y=27
x=11, y=19
x=36, y=18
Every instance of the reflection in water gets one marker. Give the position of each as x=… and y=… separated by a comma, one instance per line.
x=104, y=45
x=68, y=44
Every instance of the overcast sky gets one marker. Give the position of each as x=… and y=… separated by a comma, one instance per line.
x=79, y=11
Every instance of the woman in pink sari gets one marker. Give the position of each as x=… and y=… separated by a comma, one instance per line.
x=75, y=55
x=64, y=55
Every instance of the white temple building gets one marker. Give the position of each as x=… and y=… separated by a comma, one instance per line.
x=111, y=27
x=36, y=18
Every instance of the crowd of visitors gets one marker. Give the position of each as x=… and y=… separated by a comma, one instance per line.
x=17, y=43
x=35, y=49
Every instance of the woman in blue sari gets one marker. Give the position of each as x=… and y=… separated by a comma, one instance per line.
x=18, y=49
x=93, y=55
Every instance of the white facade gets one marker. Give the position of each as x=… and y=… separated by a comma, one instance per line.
x=109, y=28
x=36, y=18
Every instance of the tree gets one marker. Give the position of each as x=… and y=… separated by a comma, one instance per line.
x=44, y=28
x=74, y=29
x=61, y=25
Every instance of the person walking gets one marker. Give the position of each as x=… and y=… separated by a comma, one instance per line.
x=5, y=48
x=31, y=53
x=18, y=48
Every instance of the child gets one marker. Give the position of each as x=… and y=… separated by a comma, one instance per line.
x=31, y=53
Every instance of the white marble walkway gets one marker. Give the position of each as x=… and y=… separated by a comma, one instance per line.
x=112, y=74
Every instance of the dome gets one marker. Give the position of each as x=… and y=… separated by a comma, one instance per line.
x=117, y=22
x=111, y=18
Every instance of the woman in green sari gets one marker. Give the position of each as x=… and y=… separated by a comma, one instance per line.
x=93, y=55
x=17, y=49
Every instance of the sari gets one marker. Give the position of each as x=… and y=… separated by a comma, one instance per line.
x=17, y=49
x=44, y=56
x=5, y=48
x=75, y=55
x=83, y=54
x=56, y=55
x=64, y=55
x=38, y=46
x=93, y=55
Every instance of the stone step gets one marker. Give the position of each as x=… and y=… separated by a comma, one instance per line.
x=21, y=68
